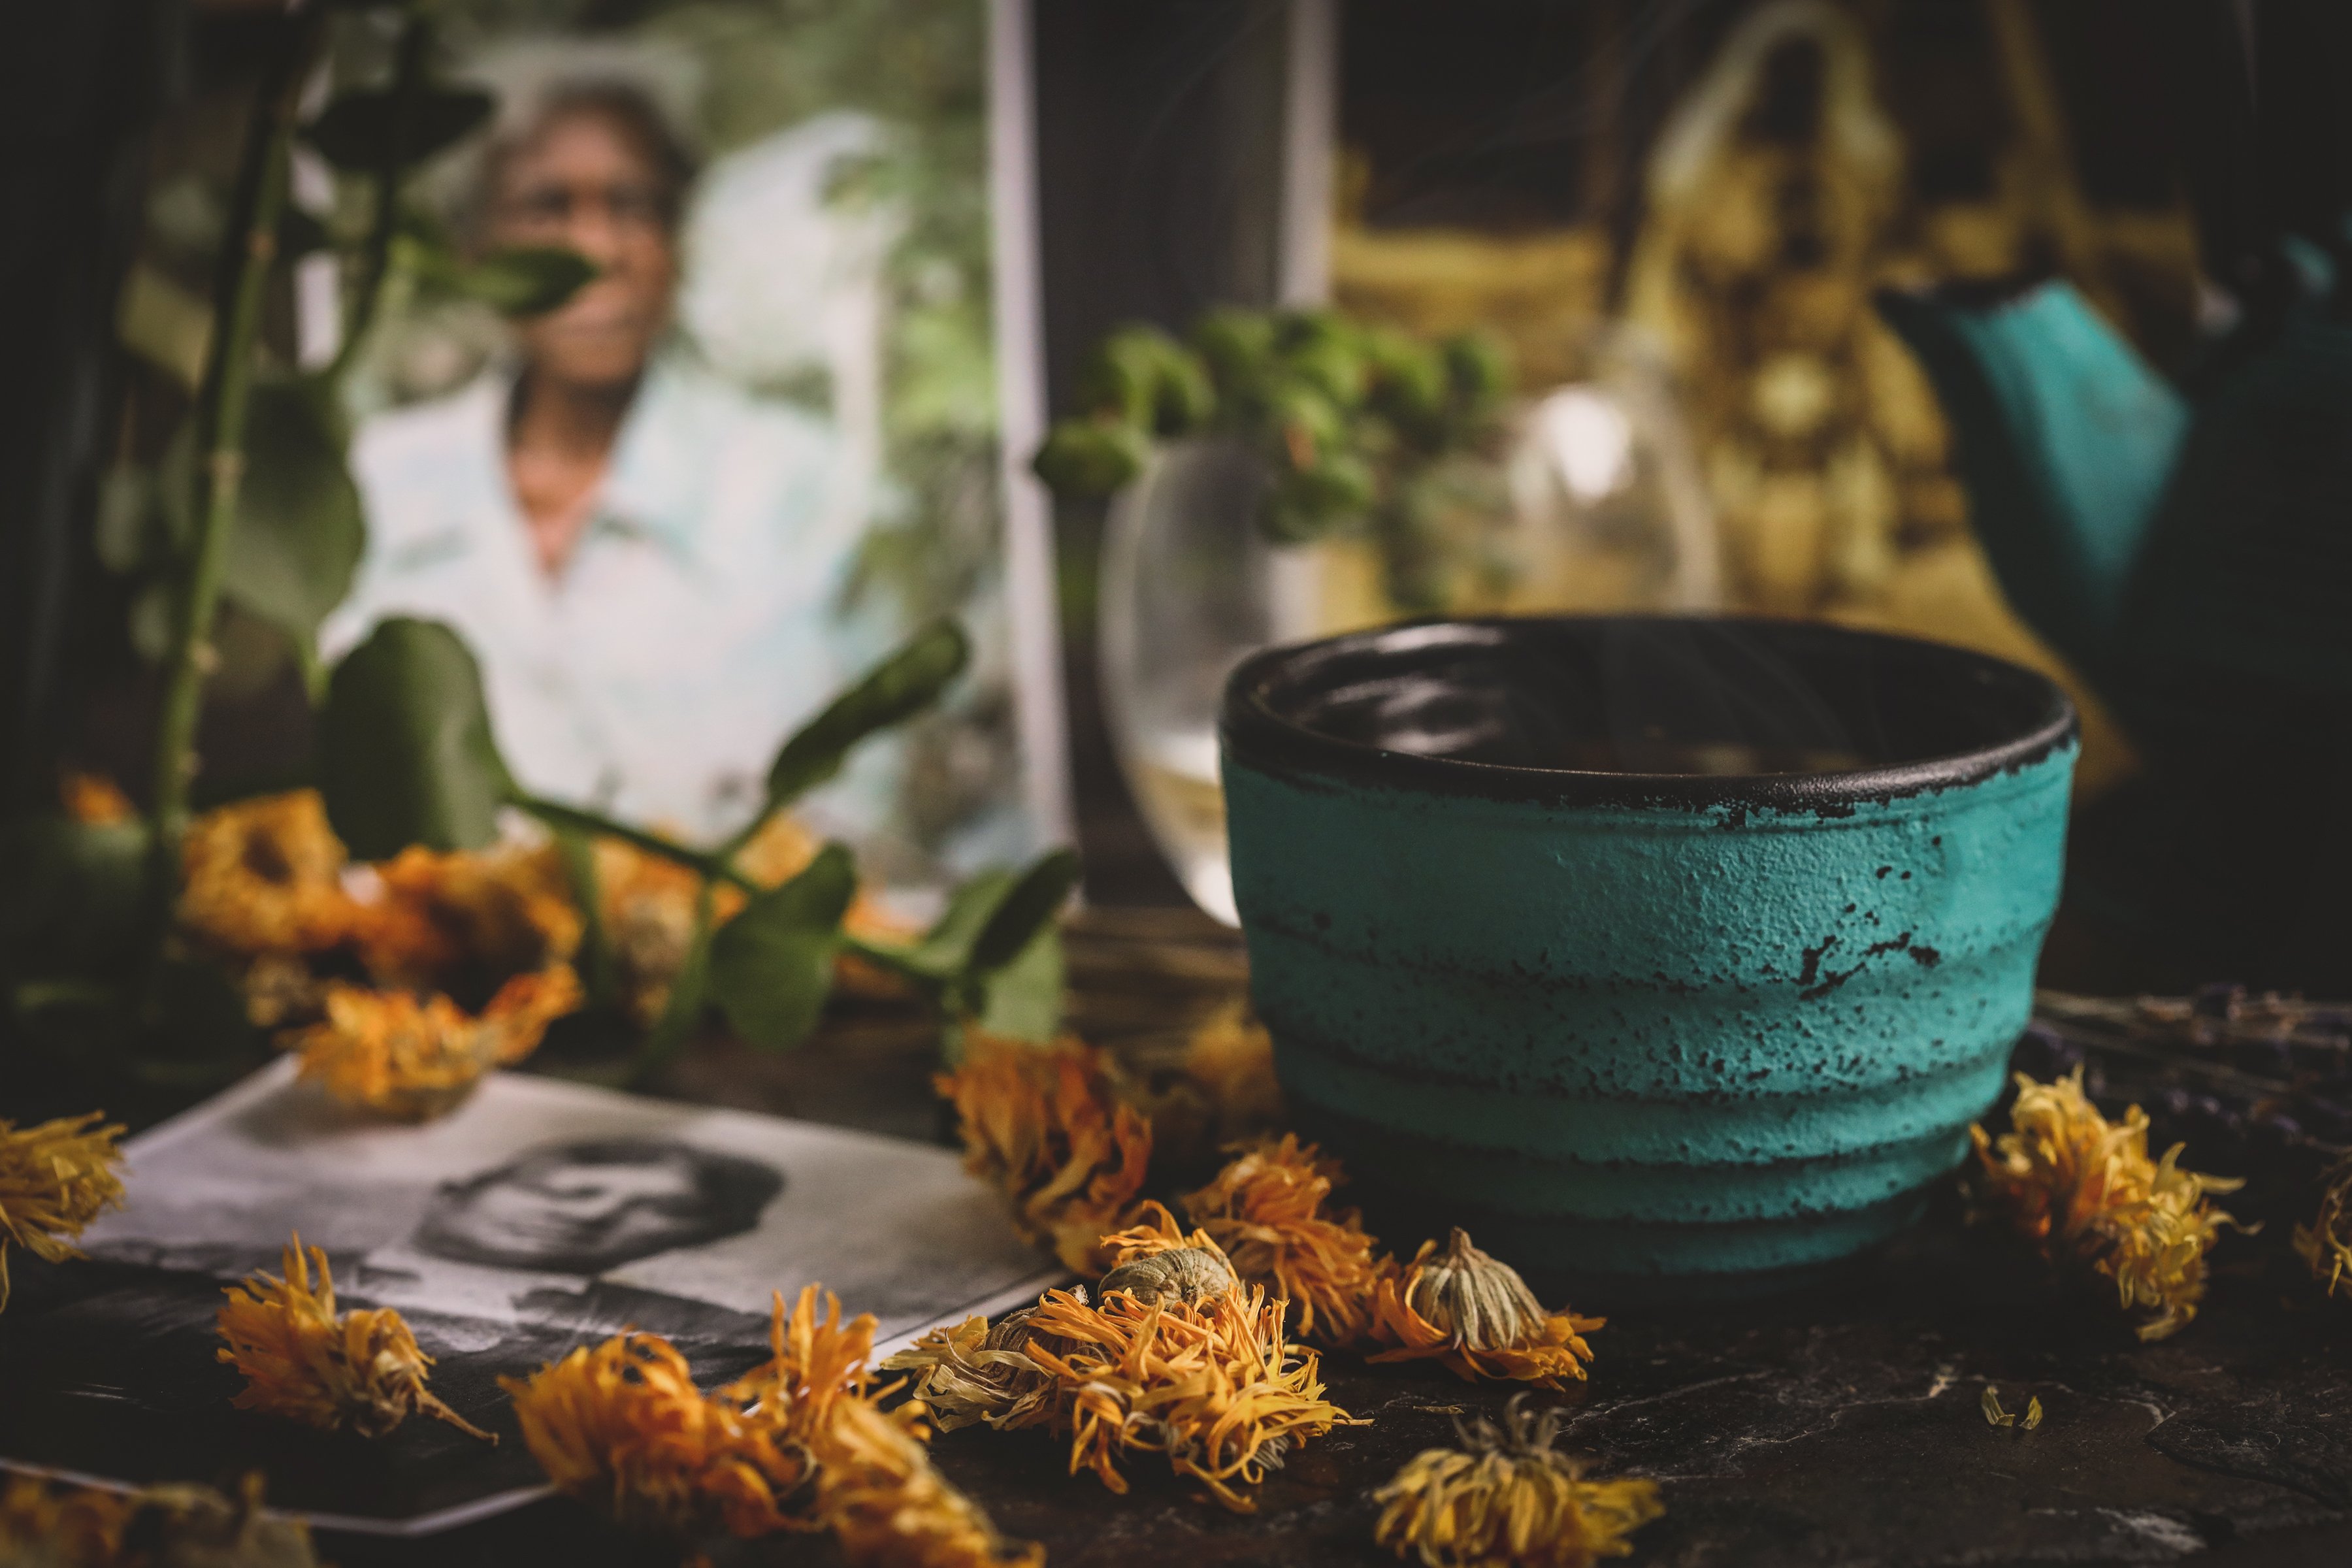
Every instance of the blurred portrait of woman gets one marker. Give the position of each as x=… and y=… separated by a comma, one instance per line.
x=647, y=559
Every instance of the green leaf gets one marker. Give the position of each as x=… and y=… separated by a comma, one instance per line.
x=1023, y=1001
x=300, y=530
x=598, y=976
x=1027, y=906
x=358, y=132
x=1148, y=380
x=771, y=965
x=520, y=280
x=405, y=754
x=1091, y=456
x=945, y=950
x=897, y=688
x=72, y=899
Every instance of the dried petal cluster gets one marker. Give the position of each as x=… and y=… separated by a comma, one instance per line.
x=1046, y=1126
x=94, y=800
x=48, y=1526
x=2085, y=1192
x=1231, y=1056
x=265, y=876
x=1473, y=1313
x=414, y=1057
x=1508, y=1499
x=304, y=1360
x=54, y=1178
x=1269, y=1210
x=797, y=1444
x=1174, y=1358
x=2326, y=1244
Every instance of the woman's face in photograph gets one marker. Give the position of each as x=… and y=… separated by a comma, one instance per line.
x=584, y=183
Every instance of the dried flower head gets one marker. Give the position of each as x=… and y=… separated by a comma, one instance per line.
x=414, y=1057
x=1213, y=1386
x=266, y=875
x=1473, y=1312
x=54, y=1178
x=1506, y=1498
x=45, y=1526
x=1231, y=1056
x=304, y=1360
x=623, y=1428
x=1154, y=1260
x=94, y=800
x=2085, y=1192
x=877, y=1491
x=2326, y=1244
x=1046, y=1126
x=1269, y=1210
x=465, y=922
x=979, y=1371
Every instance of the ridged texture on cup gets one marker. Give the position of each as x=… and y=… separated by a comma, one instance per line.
x=1663, y=1038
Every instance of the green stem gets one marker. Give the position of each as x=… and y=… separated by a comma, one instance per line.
x=684, y=1009
x=555, y=814
x=220, y=439
x=376, y=262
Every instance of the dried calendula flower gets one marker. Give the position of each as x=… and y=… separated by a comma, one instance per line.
x=54, y=1178
x=464, y=922
x=1215, y=1387
x=1508, y=1499
x=418, y=1057
x=2085, y=1192
x=1473, y=1313
x=1231, y=1056
x=266, y=875
x=1154, y=1261
x=1044, y=1125
x=623, y=1428
x=94, y=800
x=2326, y=1244
x=304, y=1360
x=874, y=1486
x=1269, y=1210
x=177, y=1526
x=979, y=1371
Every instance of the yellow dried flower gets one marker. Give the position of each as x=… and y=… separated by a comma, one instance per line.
x=1995, y=1416
x=43, y=1526
x=463, y=922
x=1267, y=1210
x=1506, y=1498
x=1214, y=1386
x=54, y=1178
x=2326, y=1244
x=1044, y=1125
x=303, y=1361
x=2085, y=1192
x=418, y=1057
x=266, y=875
x=623, y=1428
x=978, y=1372
x=1231, y=1056
x=877, y=1491
x=94, y=800
x=1473, y=1313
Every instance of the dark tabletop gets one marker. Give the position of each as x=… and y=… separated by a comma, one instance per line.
x=1837, y=1423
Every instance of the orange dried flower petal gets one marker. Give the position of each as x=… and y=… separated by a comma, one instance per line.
x=94, y=800
x=2085, y=1194
x=304, y=1360
x=61, y=1527
x=54, y=1178
x=1268, y=1210
x=46, y=1526
x=1231, y=1056
x=1046, y=1126
x=1471, y=1313
x=265, y=876
x=395, y=1052
x=463, y=921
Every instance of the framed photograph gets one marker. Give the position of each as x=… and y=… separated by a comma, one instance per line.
x=785, y=423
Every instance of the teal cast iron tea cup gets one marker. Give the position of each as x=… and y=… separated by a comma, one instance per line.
x=1643, y=947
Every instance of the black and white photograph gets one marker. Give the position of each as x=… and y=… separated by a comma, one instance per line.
x=538, y=1216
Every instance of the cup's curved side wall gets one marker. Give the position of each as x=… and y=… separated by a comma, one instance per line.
x=1647, y=1039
